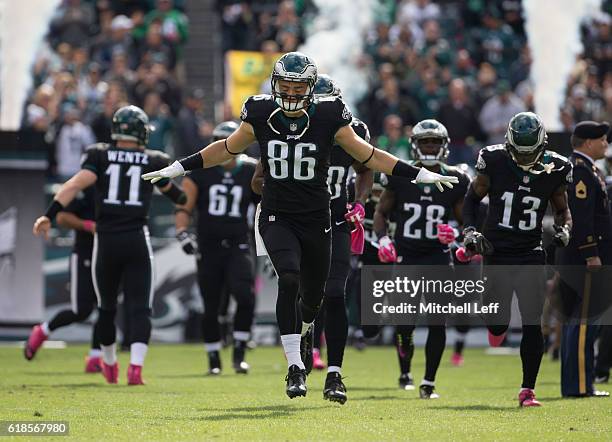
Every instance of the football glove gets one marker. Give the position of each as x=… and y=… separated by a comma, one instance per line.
x=386, y=250
x=188, y=242
x=172, y=171
x=357, y=239
x=475, y=242
x=446, y=234
x=356, y=213
x=562, y=235
x=465, y=256
x=428, y=177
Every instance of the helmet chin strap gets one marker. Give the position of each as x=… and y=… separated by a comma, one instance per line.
x=546, y=168
x=280, y=110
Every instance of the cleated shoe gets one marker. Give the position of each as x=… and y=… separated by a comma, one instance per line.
x=214, y=363
x=306, y=350
x=527, y=398
x=36, y=339
x=457, y=359
x=428, y=392
x=93, y=364
x=317, y=362
x=496, y=341
x=240, y=365
x=335, y=390
x=406, y=382
x=134, y=375
x=296, y=382
x=110, y=372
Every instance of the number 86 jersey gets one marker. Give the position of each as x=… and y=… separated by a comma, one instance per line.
x=518, y=199
x=295, y=152
x=122, y=197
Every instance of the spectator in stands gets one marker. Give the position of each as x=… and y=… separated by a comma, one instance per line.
x=156, y=79
x=159, y=122
x=486, y=81
x=393, y=139
x=120, y=70
x=430, y=95
x=191, y=125
x=174, y=24
x=460, y=117
x=497, y=111
x=113, y=100
x=155, y=47
x=73, y=22
x=606, y=113
x=91, y=90
x=39, y=122
x=387, y=101
x=417, y=11
x=119, y=41
x=582, y=107
x=73, y=138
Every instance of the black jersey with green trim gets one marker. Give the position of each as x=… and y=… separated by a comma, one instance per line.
x=122, y=197
x=223, y=199
x=518, y=199
x=339, y=171
x=83, y=206
x=419, y=208
x=295, y=152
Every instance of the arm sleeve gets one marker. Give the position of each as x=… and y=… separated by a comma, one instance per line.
x=582, y=195
x=90, y=160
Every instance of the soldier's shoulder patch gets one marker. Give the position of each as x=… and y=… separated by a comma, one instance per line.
x=581, y=190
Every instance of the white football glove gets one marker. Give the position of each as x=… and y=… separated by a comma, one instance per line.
x=172, y=171
x=428, y=177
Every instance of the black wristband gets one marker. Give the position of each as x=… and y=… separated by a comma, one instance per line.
x=192, y=162
x=229, y=151
x=176, y=194
x=54, y=208
x=405, y=170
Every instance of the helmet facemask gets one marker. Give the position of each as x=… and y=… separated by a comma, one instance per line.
x=292, y=102
x=430, y=150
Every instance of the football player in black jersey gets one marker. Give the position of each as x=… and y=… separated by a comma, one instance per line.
x=296, y=135
x=422, y=237
x=122, y=252
x=333, y=315
x=221, y=197
x=79, y=216
x=520, y=177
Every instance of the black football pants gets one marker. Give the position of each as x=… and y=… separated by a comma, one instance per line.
x=126, y=259
x=299, y=246
x=226, y=265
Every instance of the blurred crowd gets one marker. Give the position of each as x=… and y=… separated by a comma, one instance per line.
x=464, y=63
x=100, y=55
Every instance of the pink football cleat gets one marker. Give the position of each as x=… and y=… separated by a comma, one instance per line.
x=110, y=372
x=36, y=339
x=93, y=364
x=134, y=375
x=317, y=362
x=527, y=398
x=496, y=341
x=457, y=359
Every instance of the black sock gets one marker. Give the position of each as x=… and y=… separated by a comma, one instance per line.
x=532, y=349
x=336, y=330
x=436, y=340
x=404, y=347
x=459, y=344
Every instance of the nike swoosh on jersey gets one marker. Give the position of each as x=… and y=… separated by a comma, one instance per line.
x=338, y=223
x=328, y=229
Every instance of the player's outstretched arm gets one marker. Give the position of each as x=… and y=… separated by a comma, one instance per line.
x=67, y=192
x=382, y=161
x=212, y=155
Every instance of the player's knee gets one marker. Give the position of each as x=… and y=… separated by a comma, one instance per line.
x=105, y=315
x=83, y=313
x=334, y=288
x=289, y=283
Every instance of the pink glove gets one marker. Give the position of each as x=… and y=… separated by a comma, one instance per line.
x=446, y=234
x=356, y=212
x=357, y=239
x=465, y=256
x=386, y=250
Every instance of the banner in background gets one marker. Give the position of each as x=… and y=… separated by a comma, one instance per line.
x=246, y=73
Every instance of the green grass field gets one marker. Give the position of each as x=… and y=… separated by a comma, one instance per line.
x=478, y=400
